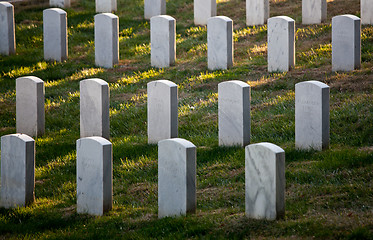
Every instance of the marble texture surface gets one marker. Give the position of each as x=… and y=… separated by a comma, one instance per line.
x=60, y=3
x=234, y=113
x=94, y=175
x=313, y=11
x=281, y=44
x=154, y=8
x=264, y=181
x=219, y=43
x=94, y=108
x=55, y=34
x=311, y=115
x=7, y=33
x=163, y=41
x=106, y=40
x=30, y=113
x=346, y=43
x=106, y=6
x=162, y=110
x=176, y=177
x=257, y=12
x=17, y=170
x=366, y=11
x=203, y=10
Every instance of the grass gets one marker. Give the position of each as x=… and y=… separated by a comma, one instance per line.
x=329, y=194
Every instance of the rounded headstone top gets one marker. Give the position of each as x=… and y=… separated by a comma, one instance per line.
x=100, y=140
x=97, y=81
x=281, y=18
x=179, y=141
x=106, y=15
x=165, y=17
x=162, y=82
x=5, y=4
x=29, y=78
x=219, y=18
x=313, y=82
x=55, y=10
x=349, y=16
x=20, y=136
x=265, y=145
x=235, y=82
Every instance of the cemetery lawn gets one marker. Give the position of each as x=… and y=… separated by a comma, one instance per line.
x=329, y=194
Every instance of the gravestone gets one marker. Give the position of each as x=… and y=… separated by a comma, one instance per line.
x=234, y=113
x=366, y=11
x=17, y=170
x=257, y=12
x=219, y=42
x=55, y=34
x=163, y=41
x=60, y=3
x=346, y=43
x=264, y=181
x=313, y=11
x=162, y=110
x=30, y=113
x=7, y=34
x=94, y=108
x=154, y=8
x=176, y=177
x=106, y=40
x=311, y=115
x=203, y=10
x=106, y=6
x=281, y=44
x=94, y=175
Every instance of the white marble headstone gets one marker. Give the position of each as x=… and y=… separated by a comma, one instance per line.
x=203, y=10
x=176, y=177
x=366, y=12
x=60, y=3
x=106, y=6
x=264, y=181
x=346, y=43
x=7, y=34
x=257, y=12
x=313, y=11
x=17, y=170
x=311, y=115
x=162, y=110
x=94, y=175
x=281, y=44
x=163, y=41
x=30, y=113
x=94, y=108
x=154, y=8
x=234, y=113
x=219, y=43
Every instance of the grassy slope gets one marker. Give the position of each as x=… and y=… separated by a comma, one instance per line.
x=329, y=194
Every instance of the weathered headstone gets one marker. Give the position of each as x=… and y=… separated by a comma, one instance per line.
x=7, y=34
x=162, y=110
x=17, y=170
x=264, y=181
x=219, y=42
x=257, y=12
x=163, y=41
x=94, y=108
x=59, y=3
x=234, y=113
x=281, y=44
x=154, y=8
x=30, y=113
x=346, y=43
x=94, y=175
x=311, y=115
x=313, y=11
x=106, y=40
x=366, y=13
x=176, y=177
x=203, y=10
x=106, y=6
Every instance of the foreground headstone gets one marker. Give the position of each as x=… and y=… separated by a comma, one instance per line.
x=162, y=110
x=281, y=44
x=264, y=181
x=346, y=43
x=366, y=11
x=7, y=34
x=176, y=177
x=154, y=8
x=203, y=10
x=94, y=108
x=94, y=175
x=59, y=3
x=163, y=41
x=257, y=12
x=106, y=6
x=311, y=115
x=17, y=170
x=219, y=43
x=106, y=40
x=234, y=113
x=30, y=113
x=313, y=11
x=55, y=34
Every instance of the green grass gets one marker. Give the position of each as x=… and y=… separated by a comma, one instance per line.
x=329, y=194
